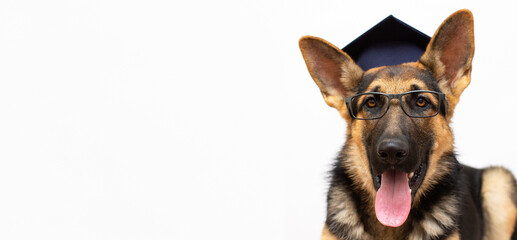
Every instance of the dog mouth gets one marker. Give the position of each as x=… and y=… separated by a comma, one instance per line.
x=396, y=193
x=414, y=178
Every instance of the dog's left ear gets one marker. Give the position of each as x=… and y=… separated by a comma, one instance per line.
x=449, y=54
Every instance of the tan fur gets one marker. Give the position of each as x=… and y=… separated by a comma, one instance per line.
x=498, y=190
x=399, y=84
x=439, y=215
x=347, y=213
x=359, y=161
x=326, y=235
x=454, y=236
x=436, y=169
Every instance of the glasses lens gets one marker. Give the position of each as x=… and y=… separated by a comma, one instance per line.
x=369, y=106
x=420, y=104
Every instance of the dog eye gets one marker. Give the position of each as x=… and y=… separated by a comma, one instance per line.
x=421, y=102
x=371, y=103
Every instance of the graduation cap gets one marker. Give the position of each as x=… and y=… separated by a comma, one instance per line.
x=390, y=42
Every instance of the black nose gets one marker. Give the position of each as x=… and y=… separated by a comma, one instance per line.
x=392, y=151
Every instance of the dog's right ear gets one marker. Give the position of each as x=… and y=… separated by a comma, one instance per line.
x=449, y=55
x=335, y=73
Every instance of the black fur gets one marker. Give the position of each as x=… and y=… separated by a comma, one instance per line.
x=471, y=221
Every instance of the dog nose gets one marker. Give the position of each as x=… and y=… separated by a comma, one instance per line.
x=393, y=151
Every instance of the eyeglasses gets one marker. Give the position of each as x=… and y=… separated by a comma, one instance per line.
x=417, y=104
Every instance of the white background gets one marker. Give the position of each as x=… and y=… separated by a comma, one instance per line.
x=198, y=119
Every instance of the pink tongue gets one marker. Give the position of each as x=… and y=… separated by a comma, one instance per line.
x=393, y=200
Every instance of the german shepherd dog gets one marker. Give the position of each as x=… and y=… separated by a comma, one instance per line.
x=397, y=176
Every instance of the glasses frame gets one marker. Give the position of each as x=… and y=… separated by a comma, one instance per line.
x=441, y=106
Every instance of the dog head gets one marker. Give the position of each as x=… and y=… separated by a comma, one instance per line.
x=397, y=116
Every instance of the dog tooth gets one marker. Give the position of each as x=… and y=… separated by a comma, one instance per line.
x=411, y=175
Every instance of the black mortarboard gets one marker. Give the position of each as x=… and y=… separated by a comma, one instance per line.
x=390, y=42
